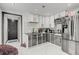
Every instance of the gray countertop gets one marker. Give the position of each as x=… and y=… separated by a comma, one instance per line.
x=38, y=33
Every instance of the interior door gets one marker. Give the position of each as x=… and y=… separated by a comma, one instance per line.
x=12, y=29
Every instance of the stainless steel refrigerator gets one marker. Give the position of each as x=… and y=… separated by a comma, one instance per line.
x=70, y=34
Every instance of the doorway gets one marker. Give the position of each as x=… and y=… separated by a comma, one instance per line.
x=11, y=28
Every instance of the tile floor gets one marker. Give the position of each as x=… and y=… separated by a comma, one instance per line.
x=41, y=49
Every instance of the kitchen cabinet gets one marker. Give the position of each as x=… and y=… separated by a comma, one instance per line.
x=34, y=39
x=51, y=22
x=29, y=40
x=44, y=38
x=52, y=38
x=33, y=18
x=40, y=38
x=36, y=18
x=40, y=21
x=46, y=22
x=48, y=37
x=57, y=40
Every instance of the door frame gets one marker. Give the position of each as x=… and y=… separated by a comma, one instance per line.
x=3, y=13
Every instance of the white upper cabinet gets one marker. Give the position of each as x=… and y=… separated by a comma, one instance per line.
x=46, y=23
x=30, y=17
x=33, y=18
x=51, y=24
x=40, y=21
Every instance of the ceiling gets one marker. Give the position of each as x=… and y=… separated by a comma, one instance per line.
x=45, y=9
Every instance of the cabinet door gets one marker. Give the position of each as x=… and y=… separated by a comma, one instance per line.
x=35, y=18
x=34, y=40
x=30, y=17
x=44, y=38
x=39, y=39
x=46, y=22
x=29, y=40
x=57, y=40
x=48, y=37
x=52, y=38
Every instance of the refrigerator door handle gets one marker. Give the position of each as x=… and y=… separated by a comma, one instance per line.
x=72, y=28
